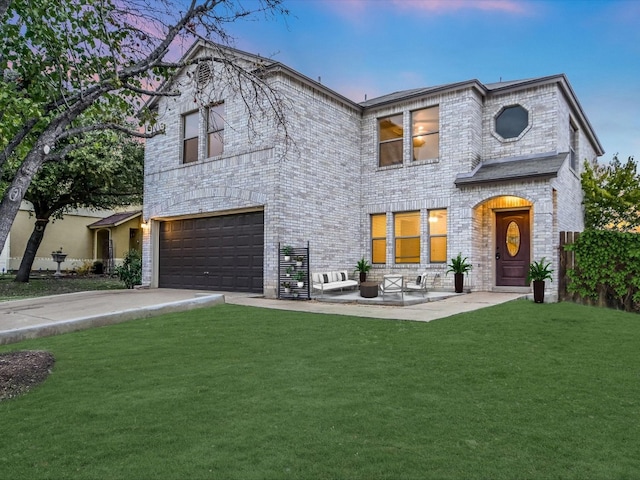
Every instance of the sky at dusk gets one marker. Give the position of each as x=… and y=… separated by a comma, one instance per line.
x=375, y=47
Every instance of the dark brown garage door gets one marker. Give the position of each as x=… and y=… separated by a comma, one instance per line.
x=213, y=253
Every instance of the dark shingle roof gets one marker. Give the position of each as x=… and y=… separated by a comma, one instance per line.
x=514, y=169
x=115, y=219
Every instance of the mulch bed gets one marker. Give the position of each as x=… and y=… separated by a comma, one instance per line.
x=22, y=370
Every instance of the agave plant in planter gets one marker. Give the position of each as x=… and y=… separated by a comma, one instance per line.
x=538, y=273
x=363, y=266
x=459, y=266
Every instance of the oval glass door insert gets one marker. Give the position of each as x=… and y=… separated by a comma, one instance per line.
x=513, y=239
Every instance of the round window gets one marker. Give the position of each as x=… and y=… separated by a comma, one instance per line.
x=513, y=239
x=511, y=121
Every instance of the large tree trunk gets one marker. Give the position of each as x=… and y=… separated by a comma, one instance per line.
x=32, y=248
x=14, y=194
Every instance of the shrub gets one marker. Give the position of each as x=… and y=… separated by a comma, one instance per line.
x=130, y=272
x=98, y=267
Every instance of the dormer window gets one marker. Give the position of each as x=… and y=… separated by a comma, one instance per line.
x=512, y=122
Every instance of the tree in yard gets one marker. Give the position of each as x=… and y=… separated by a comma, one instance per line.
x=106, y=174
x=612, y=195
x=72, y=67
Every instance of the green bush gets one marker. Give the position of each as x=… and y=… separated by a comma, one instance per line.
x=130, y=272
x=607, y=268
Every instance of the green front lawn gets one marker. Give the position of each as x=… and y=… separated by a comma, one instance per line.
x=517, y=391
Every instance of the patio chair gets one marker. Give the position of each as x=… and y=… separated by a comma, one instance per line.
x=392, y=284
x=418, y=285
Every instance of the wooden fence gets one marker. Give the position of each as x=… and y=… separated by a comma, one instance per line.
x=566, y=262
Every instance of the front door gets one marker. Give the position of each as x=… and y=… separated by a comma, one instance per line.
x=512, y=248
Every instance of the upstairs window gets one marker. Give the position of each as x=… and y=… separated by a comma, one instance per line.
x=573, y=146
x=190, y=137
x=390, y=135
x=407, y=237
x=379, y=238
x=215, y=130
x=512, y=121
x=425, y=125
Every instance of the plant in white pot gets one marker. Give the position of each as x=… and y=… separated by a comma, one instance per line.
x=287, y=287
x=300, y=276
x=459, y=266
x=299, y=259
x=287, y=250
x=538, y=273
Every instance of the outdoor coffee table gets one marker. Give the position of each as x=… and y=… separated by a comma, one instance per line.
x=369, y=289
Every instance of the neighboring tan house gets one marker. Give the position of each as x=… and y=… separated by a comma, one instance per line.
x=406, y=180
x=84, y=235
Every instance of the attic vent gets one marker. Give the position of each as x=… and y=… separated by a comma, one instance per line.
x=203, y=73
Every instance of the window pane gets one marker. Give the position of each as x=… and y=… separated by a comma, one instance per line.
x=379, y=226
x=407, y=237
x=390, y=153
x=438, y=250
x=214, y=144
x=379, y=238
x=426, y=121
x=437, y=222
x=190, y=153
x=379, y=250
x=190, y=125
x=407, y=224
x=426, y=147
x=425, y=125
x=216, y=118
x=408, y=250
x=512, y=121
x=438, y=235
x=390, y=128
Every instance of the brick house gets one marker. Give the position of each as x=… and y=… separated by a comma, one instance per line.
x=406, y=180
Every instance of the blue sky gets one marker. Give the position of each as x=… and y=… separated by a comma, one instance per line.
x=375, y=47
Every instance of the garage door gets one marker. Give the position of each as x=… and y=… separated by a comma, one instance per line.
x=213, y=253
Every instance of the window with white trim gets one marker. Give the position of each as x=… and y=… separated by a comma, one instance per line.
x=390, y=140
x=190, y=123
x=438, y=236
x=407, y=237
x=215, y=130
x=379, y=238
x=425, y=126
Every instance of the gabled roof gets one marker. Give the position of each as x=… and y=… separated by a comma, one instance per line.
x=267, y=66
x=514, y=169
x=115, y=220
x=498, y=88
x=404, y=95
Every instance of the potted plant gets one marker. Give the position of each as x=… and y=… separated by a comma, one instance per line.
x=287, y=287
x=299, y=260
x=363, y=266
x=538, y=273
x=459, y=266
x=287, y=250
x=289, y=271
x=300, y=276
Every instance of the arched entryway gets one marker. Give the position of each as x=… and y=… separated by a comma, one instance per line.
x=505, y=240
